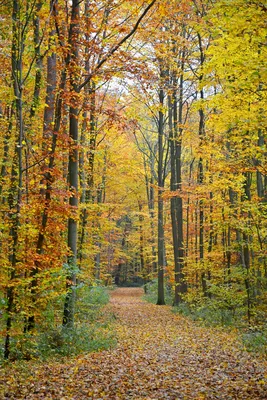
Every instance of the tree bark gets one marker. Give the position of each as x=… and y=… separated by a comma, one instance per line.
x=176, y=185
x=201, y=132
x=15, y=191
x=161, y=250
x=73, y=166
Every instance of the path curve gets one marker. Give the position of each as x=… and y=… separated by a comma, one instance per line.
x=159, y=356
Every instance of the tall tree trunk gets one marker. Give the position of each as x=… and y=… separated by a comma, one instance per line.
x=15, y=191
x=73, y=166
x=161, y=250
x=245, y=251
x=201, y=132
x=176, y=186
x=174, y=189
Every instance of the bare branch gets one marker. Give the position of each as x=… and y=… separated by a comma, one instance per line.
x=118, y=45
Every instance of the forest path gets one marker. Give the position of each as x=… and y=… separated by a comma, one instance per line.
x=159, y=355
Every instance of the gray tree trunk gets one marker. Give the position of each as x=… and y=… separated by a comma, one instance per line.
x=161, y=247
x=73, y=167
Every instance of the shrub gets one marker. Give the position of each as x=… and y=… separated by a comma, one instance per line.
x=91, y=331
x=72, y=341
x=255, y=339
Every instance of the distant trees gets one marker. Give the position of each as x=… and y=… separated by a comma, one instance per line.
x=211, y=108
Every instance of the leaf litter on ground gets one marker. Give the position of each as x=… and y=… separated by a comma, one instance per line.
x=159, y=355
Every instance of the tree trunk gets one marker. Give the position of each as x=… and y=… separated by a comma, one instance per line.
x=16, y=174
x=73, y=167
x=177, y=202
x=245, y=251
x=161, y=250
x=201, y=132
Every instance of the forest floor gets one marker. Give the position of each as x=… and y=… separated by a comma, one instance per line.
x=159, y=355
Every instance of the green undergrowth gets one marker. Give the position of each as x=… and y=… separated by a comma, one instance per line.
x=208, y=313
x=92, y=330
x=220, y=311
x=254, y=339
x=252, y=336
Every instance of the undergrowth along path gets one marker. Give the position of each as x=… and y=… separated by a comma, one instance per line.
x=159, y=355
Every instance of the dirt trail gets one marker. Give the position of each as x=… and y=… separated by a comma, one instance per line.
x=159, y=356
